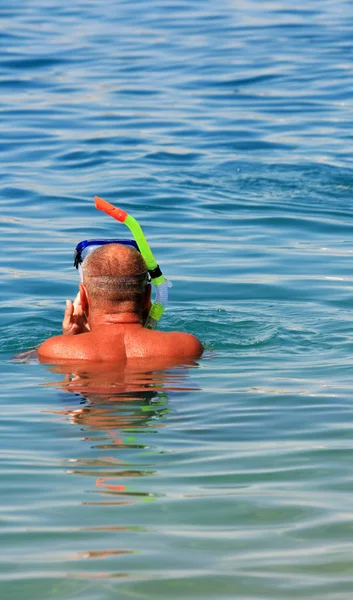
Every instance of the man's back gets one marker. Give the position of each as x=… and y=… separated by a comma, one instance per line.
x=114, y=342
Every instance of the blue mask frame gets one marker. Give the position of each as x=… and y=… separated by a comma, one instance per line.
x=81, y=246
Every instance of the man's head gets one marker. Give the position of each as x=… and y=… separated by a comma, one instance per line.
x=115, y=281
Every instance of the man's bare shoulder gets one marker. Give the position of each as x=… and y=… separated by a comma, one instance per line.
x=174, y=344
x=189, y=343
x=108, y=347
x=63, y=347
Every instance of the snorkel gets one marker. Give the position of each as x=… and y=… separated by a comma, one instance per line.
x=158, y=279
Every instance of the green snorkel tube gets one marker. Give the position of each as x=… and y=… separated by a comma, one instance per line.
x=157, y=277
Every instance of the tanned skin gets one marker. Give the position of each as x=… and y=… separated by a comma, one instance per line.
x=97, y=328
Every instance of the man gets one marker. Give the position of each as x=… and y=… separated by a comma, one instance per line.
x=105, y=322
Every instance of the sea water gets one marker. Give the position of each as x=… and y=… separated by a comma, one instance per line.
x=225, y=128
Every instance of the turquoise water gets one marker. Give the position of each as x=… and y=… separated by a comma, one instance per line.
x=226, y=129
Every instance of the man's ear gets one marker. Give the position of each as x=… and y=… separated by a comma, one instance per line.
x=83, y=298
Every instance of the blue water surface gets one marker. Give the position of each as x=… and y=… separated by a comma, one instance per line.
x=225, y=128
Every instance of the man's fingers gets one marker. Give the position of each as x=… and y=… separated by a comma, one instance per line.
x=77, y=306
x=69, y=311
x=77, y=301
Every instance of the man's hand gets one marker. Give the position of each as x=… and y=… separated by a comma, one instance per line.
x=74, y=321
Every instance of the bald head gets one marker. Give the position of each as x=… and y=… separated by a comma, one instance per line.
x=115, y=276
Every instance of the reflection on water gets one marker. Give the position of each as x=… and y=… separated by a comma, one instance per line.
x=120, y=401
